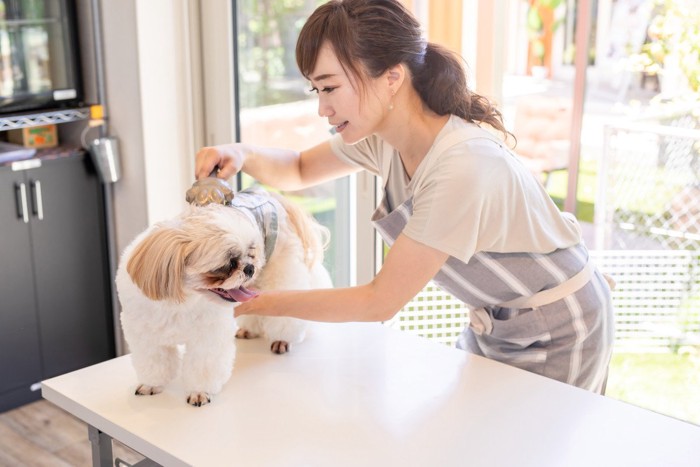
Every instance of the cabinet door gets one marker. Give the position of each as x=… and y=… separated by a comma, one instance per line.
x=20, y=365
x=70, y=264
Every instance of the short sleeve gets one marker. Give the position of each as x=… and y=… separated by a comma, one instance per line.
x=364, y=154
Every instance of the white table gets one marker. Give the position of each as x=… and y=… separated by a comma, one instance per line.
x=365, y=395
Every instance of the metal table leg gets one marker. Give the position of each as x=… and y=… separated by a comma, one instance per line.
x=101, y=447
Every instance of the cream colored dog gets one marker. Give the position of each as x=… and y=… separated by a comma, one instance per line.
x=179, y=280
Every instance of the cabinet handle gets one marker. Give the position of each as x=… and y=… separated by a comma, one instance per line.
x=21, y=197
x=38, y=206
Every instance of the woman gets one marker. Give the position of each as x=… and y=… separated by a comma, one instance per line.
x=458, y=207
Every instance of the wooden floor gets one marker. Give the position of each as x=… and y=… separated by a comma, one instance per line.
x=40, y=434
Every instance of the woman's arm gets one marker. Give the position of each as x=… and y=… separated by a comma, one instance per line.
x=407, y=269
x=283, y=169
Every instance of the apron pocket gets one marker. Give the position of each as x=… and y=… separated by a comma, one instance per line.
x=507, y=330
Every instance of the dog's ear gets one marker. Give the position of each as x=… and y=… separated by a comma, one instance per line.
x=157, y=264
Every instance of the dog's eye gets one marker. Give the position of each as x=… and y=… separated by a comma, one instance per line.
x=227, y=268
x=225, y=271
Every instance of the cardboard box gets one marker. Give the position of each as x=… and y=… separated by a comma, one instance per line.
x=44, y=136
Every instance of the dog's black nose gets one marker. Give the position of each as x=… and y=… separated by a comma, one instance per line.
x=249, y=270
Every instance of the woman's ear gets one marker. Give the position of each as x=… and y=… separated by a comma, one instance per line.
x=395, y=76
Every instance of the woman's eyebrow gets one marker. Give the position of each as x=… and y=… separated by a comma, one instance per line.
x=322, y=77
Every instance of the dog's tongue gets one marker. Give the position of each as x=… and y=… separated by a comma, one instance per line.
x=240, y=294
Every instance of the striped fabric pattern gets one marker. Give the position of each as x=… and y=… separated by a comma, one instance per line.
x=569, y=340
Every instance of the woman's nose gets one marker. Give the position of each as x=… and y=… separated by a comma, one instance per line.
x=324, y=109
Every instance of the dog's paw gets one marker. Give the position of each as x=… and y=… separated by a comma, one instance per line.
x=198, y=399
x=146, y=390
x=243, y=333
x=280, y=347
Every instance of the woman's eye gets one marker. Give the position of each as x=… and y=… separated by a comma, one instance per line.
x=326, y=90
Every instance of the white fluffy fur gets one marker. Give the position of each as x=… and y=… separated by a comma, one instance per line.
x=164, y=280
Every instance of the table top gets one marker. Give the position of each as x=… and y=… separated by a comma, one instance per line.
x=366, y=395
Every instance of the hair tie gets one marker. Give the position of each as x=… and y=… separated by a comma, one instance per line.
x=423, y=52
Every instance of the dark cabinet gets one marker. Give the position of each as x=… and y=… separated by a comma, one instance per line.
x=55, y=306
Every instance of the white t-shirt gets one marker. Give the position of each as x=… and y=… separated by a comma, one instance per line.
x=474, y=196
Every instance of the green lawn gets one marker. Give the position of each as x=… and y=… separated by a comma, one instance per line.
x=665, y=383
x=586, y=190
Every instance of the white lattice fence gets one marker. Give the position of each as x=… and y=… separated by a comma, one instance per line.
x=648, y=228
x=656, y=299
x=434, y=314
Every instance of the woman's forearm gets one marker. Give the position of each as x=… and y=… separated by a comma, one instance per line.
x=284, y=169
x=407, y=269
x=275, y=167
x=329, y=305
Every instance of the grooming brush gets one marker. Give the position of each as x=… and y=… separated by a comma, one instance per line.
x=209, y=190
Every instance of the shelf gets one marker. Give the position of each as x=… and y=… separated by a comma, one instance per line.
x=43, y=118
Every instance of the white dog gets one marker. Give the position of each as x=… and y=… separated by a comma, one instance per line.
x=177, y=282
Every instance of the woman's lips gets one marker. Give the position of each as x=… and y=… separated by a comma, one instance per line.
x=341, y=127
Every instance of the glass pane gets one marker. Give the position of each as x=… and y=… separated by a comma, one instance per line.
x=38, y=59
x=277, y=111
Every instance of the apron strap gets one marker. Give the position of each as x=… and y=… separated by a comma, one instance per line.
x=545, y=297
x=480, y=320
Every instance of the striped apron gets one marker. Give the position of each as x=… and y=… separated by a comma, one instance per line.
x=549, y=314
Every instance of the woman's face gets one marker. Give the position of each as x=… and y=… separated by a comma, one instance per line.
x=353, y=114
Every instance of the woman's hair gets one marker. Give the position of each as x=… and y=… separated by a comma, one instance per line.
x=371, y=36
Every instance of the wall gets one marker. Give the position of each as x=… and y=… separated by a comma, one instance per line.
x=149, y=102
x=123, y=106
x=168, y=146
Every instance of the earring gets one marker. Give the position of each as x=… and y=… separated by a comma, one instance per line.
x=391, y=102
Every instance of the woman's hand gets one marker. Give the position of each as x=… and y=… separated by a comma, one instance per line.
x=229, y=159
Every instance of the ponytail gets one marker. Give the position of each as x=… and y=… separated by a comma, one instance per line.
x=440, y=80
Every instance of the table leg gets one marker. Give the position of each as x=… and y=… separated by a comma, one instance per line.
x=101, y=448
